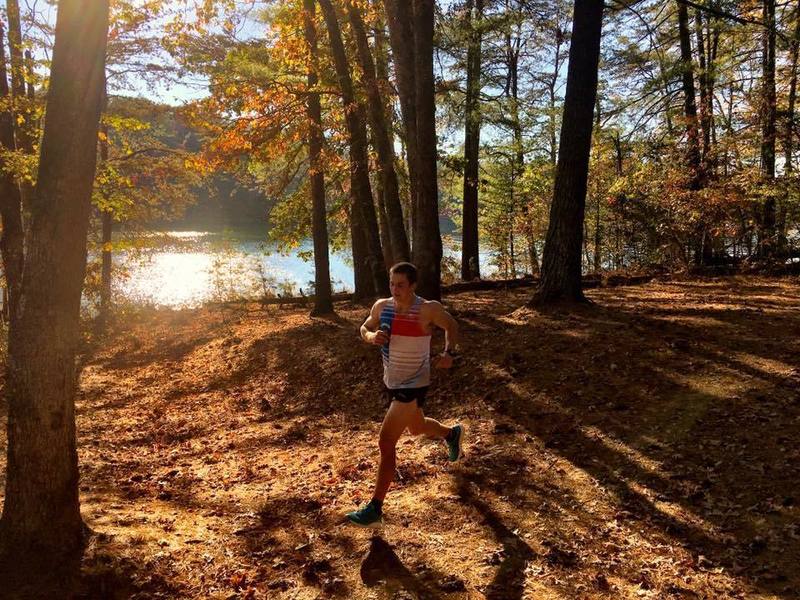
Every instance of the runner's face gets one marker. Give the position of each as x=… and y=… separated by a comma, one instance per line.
x=402, y=290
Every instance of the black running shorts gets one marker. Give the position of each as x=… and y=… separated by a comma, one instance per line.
x=408, y=394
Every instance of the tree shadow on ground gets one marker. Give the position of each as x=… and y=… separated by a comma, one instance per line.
x=98, y=570
x=615, y=422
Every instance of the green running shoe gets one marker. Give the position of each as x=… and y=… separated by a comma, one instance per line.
x=455, y=443
x=368, y=516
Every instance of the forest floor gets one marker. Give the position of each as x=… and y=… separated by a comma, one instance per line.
x=647, y=446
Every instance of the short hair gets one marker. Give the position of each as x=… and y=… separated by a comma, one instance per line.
x=407, y=269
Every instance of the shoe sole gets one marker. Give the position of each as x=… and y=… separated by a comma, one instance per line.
x=375, y=525
x=461, y=444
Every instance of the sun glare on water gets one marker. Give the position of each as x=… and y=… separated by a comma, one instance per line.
x=172, y=279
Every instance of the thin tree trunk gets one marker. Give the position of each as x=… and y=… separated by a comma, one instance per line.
x=107, y=225
x=788, y=141
x=689, y=104
x=597, y=235
x=359, y=165
x=387, y=94
x=364, y=286
x=470, y=248
x=18, y=89
x=41, y=511
x=551, y=88
x=705, y=100
x=22, y=107
x=767, y=241
x=31, y=93
x=383, y=223
x=399, y=15
x=711, y=79
x=383, y=142
x=12, y=239
x=694, y=158
x=561, y=263
x=323, y=300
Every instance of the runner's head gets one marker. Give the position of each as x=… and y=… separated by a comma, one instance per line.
x=403, y=281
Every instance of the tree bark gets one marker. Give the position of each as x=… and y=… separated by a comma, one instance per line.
x=41, y=511
x=414, y=21
x=470, y=247
x=689, y=102
x=12, y=239
x=359, y=164
x=551, y=87
x=363, y=284
x=24, y=131
x=383, y=222
x=401, y=35
x=384, y=144
x=107, y=228
x=561, y=262
x=705, y=99
x=427, y=251
x=22, y=108
x=788, y=141
x=694, y=157
x=323, y=299
x=766, y=241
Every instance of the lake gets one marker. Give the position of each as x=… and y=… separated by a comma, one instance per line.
x=188, y=268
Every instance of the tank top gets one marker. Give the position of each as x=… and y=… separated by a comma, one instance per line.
x=407, y=356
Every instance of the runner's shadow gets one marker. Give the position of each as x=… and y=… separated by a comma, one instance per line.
x=382, y=565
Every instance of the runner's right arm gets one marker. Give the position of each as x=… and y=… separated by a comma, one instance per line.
x=368, y=333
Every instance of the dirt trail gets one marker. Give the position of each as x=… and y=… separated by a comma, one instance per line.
x=645, y=447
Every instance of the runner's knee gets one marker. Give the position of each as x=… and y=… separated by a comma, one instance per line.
x=416, y=428
x=387, y=445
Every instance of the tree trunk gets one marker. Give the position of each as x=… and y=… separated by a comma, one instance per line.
x=24, y=132
x=694, y=160
x=689, y=103
x=107, y=226
x=767, y=241
x=552, y=83
x=12, y=240
x=18, y=89
x=363, y=284
x=561, y=263
x=705, y=99
x=427, y=251
x=323, y=300
x=383, y=223
x=399, y=15
x=518, y=161
x=470, y=249
x=383, y=141
x=359, y=164
x=597, y=236
x=41, y=511
x=414, y=68
x=788, y=141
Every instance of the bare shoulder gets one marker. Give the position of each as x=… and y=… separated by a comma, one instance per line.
x=379, y=305
x=432, y=307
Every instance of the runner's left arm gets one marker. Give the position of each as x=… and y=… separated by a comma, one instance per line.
x=444, y=320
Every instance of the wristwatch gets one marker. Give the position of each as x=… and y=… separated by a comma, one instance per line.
x=452, y=352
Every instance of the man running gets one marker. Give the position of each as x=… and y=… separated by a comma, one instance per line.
x=402, y=326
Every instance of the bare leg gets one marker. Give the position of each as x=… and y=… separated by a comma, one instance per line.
x=422, y=425
x=397, y=419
